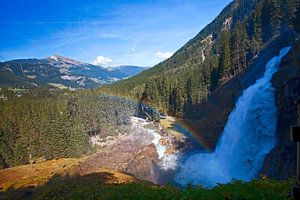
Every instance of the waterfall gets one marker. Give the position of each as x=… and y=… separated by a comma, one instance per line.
x=248, y=137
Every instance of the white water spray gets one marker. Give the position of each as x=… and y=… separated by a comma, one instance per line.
x=248, y=137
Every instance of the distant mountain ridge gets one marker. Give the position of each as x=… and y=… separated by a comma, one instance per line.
x=60, y=71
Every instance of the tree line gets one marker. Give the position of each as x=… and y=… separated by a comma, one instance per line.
x=47, y=125
x=184, y=80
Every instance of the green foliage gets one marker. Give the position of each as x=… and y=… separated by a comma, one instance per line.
x=256, y=30
x=92, y=188
x=239, y=48
x=55, y=125
x=225, y=58
x=210, y=59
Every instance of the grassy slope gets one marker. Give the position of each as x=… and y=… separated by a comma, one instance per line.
x=92, y=187
x=59, y=179
x=39, y=174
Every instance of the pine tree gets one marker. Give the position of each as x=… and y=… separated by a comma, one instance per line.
x=236, y=49
x=225, y=57
x=256, y=41
x=78, y=139
x=245, y=43
x=289, y=10
x=275, y=16
x=240, y=45
x=151, y=94
x=180, y=102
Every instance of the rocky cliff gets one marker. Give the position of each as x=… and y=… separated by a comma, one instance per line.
x=281, y=162
x=213, y=113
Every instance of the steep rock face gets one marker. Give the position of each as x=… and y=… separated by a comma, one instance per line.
x=214, y=112
x=281, y=162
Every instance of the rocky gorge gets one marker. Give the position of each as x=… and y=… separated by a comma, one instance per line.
x=281, y=162
x=214, y=112
x=151, y=153
x=147, y=151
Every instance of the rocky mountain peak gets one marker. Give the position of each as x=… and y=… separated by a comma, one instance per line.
x=59, y=58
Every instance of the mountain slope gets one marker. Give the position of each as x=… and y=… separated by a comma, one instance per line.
x=41, y=173
x=203, y=79
x=107, y=185
x=60, y=70
x=128, y=70
x=219, y=52
x=194, y=52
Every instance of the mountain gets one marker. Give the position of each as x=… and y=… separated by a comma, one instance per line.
x=202, y=81
x=220, y=52
x=60, y=71
x=201, y=50
x=128, y=70
x=223, y=49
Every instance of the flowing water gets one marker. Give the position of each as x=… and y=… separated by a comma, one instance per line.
x=248, y=137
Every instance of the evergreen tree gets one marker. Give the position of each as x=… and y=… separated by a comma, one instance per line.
x=256, y=41
x=151, y=93
x=289, y=10
x=275, y=16
x=225, y=57
x=240, y=45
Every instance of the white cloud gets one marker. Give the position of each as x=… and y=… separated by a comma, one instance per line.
x=163, y=55
x=101, y=60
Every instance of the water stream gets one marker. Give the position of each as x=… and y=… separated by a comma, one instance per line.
x=248, y=137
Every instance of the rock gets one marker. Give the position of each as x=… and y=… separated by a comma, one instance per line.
x=281, y=162
x=142, y=164
x=131, y=153
x=170, y=151
x=213, y=113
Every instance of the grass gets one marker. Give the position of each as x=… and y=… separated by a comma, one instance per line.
x=58, y=179
x=92, y=187
x=17, y=89
x=35, y=174
x=168, y=126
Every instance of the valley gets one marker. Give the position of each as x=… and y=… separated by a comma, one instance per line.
x=145, y=156
x=147, y=151
x=209, y=121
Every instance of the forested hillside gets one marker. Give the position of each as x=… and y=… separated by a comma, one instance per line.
x=55, y=124
x=218, y=53
x=200, y=85
x=43, y=124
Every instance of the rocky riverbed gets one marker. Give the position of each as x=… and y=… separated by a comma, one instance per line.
x=148, y=152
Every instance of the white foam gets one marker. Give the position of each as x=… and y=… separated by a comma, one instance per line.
x=248, y=136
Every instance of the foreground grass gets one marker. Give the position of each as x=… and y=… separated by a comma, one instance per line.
x=90, y=187
x=35, y=174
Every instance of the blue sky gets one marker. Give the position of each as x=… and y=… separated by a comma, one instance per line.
x=104, y=32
